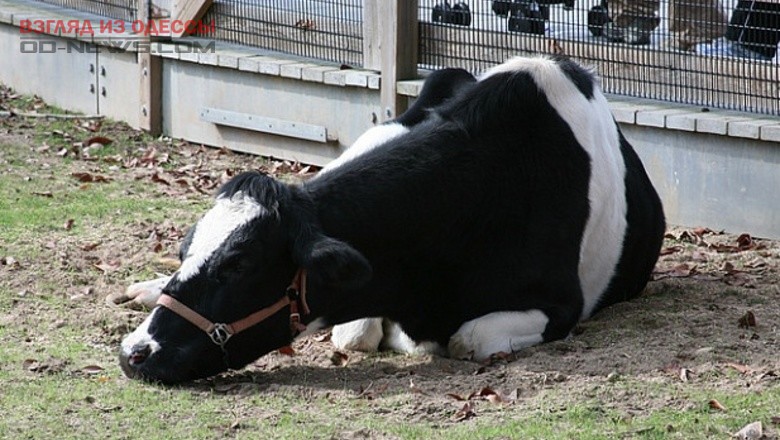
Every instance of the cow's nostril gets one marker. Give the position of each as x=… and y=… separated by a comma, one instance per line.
x=139, y=354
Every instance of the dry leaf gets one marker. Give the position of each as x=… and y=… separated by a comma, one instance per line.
x=670, y=250
x=465, y=413
x=107, y=267
x=491, y=396
x=743, y=369
x=702, y=231
x=685, y=374
x=370, y=392
x=43, y=193
x=156, y=178
x=89, y=177
x=324, y=337
x=99, y=140
x=339, y=359
x=745, y=242
x=31, y=365
x=679, y=271
x=752, y=431
x=415, y=389
x=68, y=224
x=90, y=246
x=747, y=320
x=92, y=369
x=287, y=351
x=714, y=404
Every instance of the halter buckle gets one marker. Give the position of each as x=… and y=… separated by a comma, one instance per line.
x=220, y=334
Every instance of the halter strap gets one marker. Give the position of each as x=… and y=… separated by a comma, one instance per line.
x=220, y=333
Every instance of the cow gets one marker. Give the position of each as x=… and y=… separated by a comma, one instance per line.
x=510, y=213
x=364, y=334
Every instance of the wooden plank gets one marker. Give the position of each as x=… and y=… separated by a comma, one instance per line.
x=188, y=10
x=263, y=124
x=398, y=30
x=372, y=55
x=150, y=77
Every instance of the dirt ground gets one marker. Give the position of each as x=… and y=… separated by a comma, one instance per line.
x=711, y=314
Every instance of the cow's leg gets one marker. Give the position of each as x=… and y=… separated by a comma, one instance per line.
x=396, y=340
x=359, y=335
x=498, y=332
x=140, y=295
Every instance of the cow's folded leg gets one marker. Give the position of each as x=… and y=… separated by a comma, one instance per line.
x=143, y=295
x=359, y=335
x=498, y=332
x=395, y=339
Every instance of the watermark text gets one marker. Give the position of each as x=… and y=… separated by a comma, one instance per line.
x=162, y=27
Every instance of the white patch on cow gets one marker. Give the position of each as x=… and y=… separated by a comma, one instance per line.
x=372, y=138
x=141, y=337
x=359, y=335
x=497, y=332
x=595, y=130
x=227, y=215
x=396, y=339
x=312, y=327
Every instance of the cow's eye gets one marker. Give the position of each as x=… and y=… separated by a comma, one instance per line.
x=234, y=265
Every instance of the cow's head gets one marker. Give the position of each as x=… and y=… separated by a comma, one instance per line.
x=239, y=258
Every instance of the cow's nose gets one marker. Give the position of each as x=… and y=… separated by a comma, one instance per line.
x=132, y=360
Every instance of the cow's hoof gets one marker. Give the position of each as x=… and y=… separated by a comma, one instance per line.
x=139, y=296
x=359, y=335
x=460, y=348
x=396, y=340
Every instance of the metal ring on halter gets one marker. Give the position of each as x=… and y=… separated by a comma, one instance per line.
x=220, y=334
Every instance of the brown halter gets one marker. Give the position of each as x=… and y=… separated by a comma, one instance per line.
x=220, y=333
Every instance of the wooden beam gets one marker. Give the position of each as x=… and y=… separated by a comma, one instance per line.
x=372, y=54
x=189, y=10
x=150, y=77
x=398, y=28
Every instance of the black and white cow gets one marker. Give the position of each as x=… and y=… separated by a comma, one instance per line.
x=364, y=334
x=500, y=221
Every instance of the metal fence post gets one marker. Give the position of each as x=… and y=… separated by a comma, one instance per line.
x=397, y=23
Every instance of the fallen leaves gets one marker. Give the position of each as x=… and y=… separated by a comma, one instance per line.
x=85, y=177
x=108, y=266
x=370, y=392
x=487, y=394
x=715, y=405
x=465, y=412
x=705, y=255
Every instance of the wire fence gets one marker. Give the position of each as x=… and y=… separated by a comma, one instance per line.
x=710, y=53
x=329, y=30
x=701, y=52
x=117, y=9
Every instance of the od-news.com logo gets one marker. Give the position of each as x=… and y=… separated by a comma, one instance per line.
x=112, y=35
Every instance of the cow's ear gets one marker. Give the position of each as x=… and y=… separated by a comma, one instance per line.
x=336, y=263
